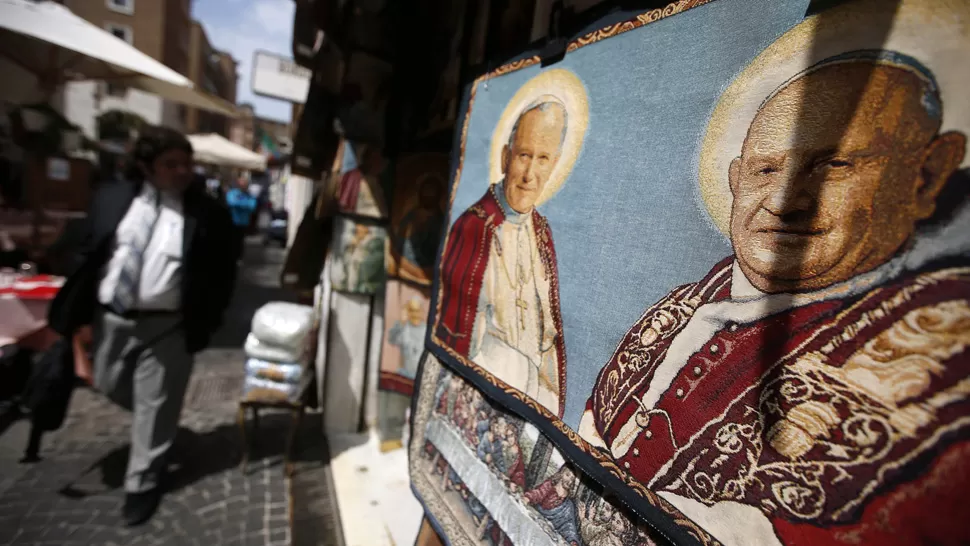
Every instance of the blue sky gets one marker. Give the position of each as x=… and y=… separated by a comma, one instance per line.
x=241, y=27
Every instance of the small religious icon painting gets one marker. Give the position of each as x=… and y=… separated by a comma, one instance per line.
x=719, y=255
x=405, y=326
x=363, y=98
x=418, y=216
x=360, y=186
x=358, y=257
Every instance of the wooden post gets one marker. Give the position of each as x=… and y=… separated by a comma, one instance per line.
x=427, y=535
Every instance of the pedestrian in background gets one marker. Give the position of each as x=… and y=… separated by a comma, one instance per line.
x=242, y=204
x=154, y=275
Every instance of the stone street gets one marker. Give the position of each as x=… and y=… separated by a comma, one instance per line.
x=73, y=496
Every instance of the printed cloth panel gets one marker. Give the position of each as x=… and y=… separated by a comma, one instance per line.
x=364, y=95
x=358, y=256
x=719, y=255
x=405, y=329
x=360, y=181
x=417, y=217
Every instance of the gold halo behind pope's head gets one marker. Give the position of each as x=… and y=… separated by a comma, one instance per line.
x=564, y=87
x=936, y=32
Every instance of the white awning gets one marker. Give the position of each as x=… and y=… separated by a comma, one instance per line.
x=214, y=149
x=50, y=41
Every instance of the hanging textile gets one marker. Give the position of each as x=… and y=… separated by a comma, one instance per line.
x=405, y=327
x=362, y=188
x=358, y=258
x=717, y=257
x=417, y=217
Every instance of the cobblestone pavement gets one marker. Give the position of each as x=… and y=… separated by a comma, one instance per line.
x=74, y=495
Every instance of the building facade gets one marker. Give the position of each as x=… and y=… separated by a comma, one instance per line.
x=243, y=127
x=247, y=130
x=214, y=72
x=163, y=30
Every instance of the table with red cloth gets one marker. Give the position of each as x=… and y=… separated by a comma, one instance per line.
x=23, y=310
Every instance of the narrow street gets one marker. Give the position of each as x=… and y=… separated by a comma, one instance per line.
x=74, y=495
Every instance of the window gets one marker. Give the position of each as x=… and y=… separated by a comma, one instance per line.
x=121, y=31
x=122, y=6
x=115, y=90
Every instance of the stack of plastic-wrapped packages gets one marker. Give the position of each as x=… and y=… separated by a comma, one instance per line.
x=276, y=349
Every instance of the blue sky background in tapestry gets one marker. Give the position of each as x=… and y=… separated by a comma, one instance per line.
x=628, y=223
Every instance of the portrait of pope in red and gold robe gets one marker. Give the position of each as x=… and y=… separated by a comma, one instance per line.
x=499, y=299
x=814, y=387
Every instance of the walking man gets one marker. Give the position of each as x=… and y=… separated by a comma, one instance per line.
x=242, y=205
x=152, y=278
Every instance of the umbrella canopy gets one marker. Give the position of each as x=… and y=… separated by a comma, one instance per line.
x=216, y=150
x=48, y=40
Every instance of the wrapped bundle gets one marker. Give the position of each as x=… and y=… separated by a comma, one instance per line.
x=283, y=325
x=255, y=388
x=281, y=372
x=258, y=349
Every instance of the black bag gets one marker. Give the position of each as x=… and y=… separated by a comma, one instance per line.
x=14, y=372
x=48, y=393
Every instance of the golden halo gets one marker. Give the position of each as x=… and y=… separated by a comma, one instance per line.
x=565, y=87
x=935, y=32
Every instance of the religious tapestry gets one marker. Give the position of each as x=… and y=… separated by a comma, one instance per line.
x=510, y=26
x=405, y=326
x=437, y=97
x=490, y=478
x=358, y=257
x=361, y=185
x=719, y=254
x=364, y=97
x=418, y=215
x=315, y=142
x=369, y=25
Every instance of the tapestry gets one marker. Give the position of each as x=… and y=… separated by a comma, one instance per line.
x=314, y=143
x=369, y=25
x=418, y=215
x=405, y=326
x=515, y=22
x=364, y=97
x=719, y=255
x=358, y=256
x=488, y=477
x=479, y=33
x=443, y=45
x=361, y=183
